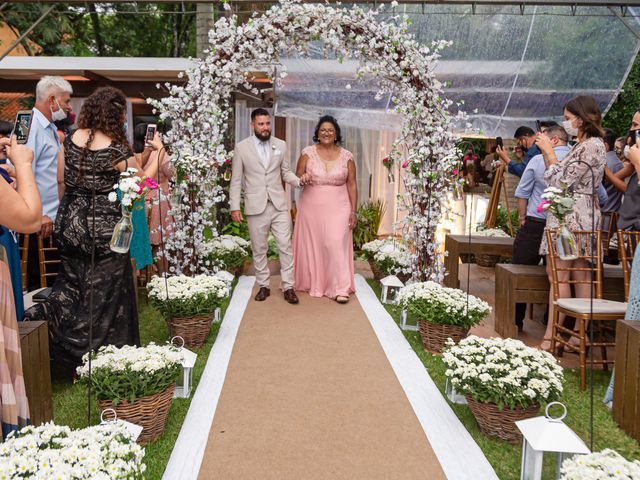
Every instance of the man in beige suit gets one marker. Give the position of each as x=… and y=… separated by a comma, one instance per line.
x=260, y=166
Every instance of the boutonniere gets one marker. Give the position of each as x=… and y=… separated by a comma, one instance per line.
x=275, y=150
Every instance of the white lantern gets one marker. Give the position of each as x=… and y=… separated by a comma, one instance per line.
x=547, y=434
x=404, y=324
x=226, y=277
x=185, y=382
x=452, y=395
x=391, y=286
x=217, y=315
x=133, y=428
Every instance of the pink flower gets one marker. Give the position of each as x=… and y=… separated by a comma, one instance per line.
x=541, y=208
x=455, y=171
x=140, y=189
x=405, y=163
x=150, y=183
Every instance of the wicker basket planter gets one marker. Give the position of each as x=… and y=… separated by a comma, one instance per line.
x=377, y=273
x=194, y=330
x=149, y=412
x=486, y=260
x=434, y=336
x=498, y=423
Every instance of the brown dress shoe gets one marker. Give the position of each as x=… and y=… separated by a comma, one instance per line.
x=262, y=294
x=290, y=296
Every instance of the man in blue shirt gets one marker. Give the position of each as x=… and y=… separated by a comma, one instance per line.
x=529, y=195
x=526, y=138
x=52, y=103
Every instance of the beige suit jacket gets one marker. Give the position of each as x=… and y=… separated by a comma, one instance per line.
x=260, y=184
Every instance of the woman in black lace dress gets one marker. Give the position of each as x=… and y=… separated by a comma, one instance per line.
x=94, y=157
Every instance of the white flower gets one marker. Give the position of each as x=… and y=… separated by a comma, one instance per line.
x=113, y=196
x=604, y=465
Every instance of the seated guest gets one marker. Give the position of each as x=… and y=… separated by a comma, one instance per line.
x=95, y=155
x=21, y=211
x=526, y=245
x=526, y=138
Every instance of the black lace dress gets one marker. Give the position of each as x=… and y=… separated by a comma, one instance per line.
x=115, y=316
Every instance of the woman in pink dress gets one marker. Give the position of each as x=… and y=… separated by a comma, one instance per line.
x=322, y=236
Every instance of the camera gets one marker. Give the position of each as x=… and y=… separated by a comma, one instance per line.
x=22, y=126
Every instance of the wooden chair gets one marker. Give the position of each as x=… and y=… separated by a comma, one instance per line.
x=46, y=249
x=580, y=308
x=24, y=259
x=608, y=227
x=627, y=243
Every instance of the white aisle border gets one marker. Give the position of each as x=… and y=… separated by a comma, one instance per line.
x=186, y=457
x=450, y=440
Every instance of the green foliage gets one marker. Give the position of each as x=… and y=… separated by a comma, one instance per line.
x=118, y=386
x=619, y=116
x=238, y=229
x=231, y=259
x=502, y=220
x=370, y=215
x=272, y=253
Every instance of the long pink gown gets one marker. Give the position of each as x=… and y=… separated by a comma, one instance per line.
x=322, y=239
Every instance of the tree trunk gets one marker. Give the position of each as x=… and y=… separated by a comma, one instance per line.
x=95, y=22
x=204, y=23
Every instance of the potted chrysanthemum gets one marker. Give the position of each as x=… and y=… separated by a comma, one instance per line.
x=188, y=304
x=605, y=465
x=487, y=259
x=388, y=257
x=228, y=252
x=100, y=452
x=137, y=382
x=442, y=312
x=503, y=380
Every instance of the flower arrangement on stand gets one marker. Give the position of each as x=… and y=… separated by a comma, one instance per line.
x=49, y=451
x=388, y=257
x=188, y=304
x=388, y=163
x=605, y=465
x=229, y=252
x=503, y=380
x=136, y=382
x=442, y=312
x=484, y=259
x=131, y=189
x=560, y=202
x=199, y=113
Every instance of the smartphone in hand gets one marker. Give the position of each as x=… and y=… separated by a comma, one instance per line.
x=22, y=126
x=151, y=132
x=637, y=136
x=499, y=142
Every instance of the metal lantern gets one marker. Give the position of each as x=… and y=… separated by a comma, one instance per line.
x=185, y=382
x=547, y=434
x=391, y=286
x=133, y=428
x=226, y=277
x=452, y=395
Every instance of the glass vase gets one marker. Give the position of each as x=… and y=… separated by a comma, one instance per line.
x=122, y=234
x=566, y=243
x=390, y=177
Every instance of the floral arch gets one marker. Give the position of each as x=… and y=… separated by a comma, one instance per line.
x=199, y=114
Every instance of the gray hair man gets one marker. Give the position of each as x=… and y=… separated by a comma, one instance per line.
x=52, y=104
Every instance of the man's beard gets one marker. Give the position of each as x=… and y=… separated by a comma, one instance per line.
x=262, y=137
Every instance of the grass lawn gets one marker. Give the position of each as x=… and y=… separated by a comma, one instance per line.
x=504, y=457
x=70, y=400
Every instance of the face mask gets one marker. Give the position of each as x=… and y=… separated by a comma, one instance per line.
x=569, y=128
x=126, y=126
x=59, y=114
x=625, y=152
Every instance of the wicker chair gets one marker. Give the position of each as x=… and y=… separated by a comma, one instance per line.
x=581, y=308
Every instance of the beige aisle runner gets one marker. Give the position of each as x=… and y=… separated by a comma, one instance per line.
x=309, y=394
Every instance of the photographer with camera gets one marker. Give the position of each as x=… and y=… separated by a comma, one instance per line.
x=525, y=138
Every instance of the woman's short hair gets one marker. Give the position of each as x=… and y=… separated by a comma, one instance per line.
x=332, y=121
x=586, y=108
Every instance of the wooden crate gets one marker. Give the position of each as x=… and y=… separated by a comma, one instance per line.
x=34, y=342
x=626, y=393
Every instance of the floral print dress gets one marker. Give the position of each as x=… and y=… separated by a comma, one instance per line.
x=574, y=171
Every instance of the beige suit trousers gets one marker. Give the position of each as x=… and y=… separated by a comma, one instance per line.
x=279, y=223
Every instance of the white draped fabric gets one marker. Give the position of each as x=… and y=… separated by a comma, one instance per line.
x=369, y=147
